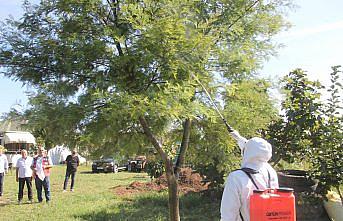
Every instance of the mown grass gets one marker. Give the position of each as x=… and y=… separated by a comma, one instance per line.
x=95, y=200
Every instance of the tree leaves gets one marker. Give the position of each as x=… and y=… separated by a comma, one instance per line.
x=108, y=62
x=311, y=129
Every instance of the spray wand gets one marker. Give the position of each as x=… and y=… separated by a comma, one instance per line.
x=228, y=127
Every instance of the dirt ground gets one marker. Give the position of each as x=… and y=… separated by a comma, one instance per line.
x=188, y=182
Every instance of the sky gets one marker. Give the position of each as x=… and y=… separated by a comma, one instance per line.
x=314, y=43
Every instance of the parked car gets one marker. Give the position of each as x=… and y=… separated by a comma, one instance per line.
x=105, y=165
x=137, y=164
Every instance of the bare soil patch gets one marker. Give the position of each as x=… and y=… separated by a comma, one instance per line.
x=188, y=182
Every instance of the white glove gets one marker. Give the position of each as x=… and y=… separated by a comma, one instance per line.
x=235, y=135
x=240, y=140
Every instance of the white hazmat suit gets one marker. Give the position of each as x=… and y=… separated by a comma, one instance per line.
x=256, y=153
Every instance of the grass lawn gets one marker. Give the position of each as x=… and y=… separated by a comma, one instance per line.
x=95, y=200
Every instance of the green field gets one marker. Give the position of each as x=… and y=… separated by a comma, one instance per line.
x=95, y=200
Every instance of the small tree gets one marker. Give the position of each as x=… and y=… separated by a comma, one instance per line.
x=327, y=155
x=296, y=130
x=311, y=129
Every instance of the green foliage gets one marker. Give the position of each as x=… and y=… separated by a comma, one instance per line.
x=248, y=109
x=296, y=131
x=102, y=64
x=13, y=120
x=249, y=106
x=109, y=64
x=155, y=169
x=327, y=156
x=52, y=120
x=311, y=129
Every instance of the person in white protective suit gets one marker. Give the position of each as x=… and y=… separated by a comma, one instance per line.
x=239, y=187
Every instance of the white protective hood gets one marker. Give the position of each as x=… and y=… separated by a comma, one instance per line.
x=238, y=187
x=256, y=153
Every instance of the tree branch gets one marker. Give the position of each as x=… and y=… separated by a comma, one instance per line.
x=244, y=13
x=114, y=7
x=152, y=138
x=184, y=146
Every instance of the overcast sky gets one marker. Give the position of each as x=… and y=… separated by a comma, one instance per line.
x=314, y=43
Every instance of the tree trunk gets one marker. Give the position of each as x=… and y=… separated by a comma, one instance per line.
x=173, y=195
x=174, y=213
x=184, y=146
x=171, y=172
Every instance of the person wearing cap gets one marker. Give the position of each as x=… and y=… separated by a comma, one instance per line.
x=72, y=162
x=41, y=166
x=3, y=169
x=256, y=153
x=24, y=175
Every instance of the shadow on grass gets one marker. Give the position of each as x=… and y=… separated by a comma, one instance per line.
x=7, y=202
x=86, y=172
x=154, y=207
x=94, y=173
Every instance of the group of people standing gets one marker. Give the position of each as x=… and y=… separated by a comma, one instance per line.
x=37, y=168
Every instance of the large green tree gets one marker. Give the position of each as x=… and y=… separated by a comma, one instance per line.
x=127, y=67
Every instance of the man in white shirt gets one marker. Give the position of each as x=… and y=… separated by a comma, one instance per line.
x=256, y=153
x=24, y=175
x=3, y=169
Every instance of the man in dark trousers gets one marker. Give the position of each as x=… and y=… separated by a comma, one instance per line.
x=41, y=166
x=24, y=175
x=72, y=162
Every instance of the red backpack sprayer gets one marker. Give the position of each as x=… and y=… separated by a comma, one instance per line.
x=265, y=205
